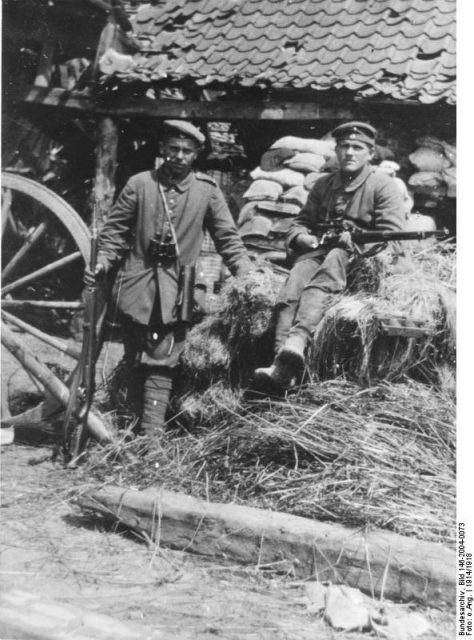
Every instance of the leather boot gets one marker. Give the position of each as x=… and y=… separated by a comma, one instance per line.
x=290, y=359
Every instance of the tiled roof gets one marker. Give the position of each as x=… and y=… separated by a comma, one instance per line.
x=402, y=49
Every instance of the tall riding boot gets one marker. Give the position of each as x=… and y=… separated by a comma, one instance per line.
x=156, y=392
x=285, y=313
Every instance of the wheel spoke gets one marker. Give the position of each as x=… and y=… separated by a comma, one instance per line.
x=42, y=304
x=31, y=239
x=60, y=345
x=39, y=273
x=6, y=206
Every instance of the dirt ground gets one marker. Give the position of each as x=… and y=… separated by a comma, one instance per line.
x=51, y=549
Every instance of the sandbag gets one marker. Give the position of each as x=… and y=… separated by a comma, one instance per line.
x=431, y=142
x=390, y=167
x=331, y=165
x=247, y=212
x=263, y=190
x=311, y=178
x=306, y=162
x=449, y=176
x=295, y=195
x=428, y=182
x=419, y=222
x=428, y=159
x=320, y=147
x=426, y=179
x=272, y=160
x=256, y=226
x=284, y=177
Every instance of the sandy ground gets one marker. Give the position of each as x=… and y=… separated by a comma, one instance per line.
x=51, y=549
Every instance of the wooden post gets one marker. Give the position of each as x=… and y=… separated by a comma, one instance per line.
x=45, y=66
x=105, y=168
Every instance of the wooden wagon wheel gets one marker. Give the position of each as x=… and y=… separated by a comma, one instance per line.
x=45, y=245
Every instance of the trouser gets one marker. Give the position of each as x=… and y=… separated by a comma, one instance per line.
x=151, y=356
x=307, y=293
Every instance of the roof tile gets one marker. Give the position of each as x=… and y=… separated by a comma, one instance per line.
x=320, y=44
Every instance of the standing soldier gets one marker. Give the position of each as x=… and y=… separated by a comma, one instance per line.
x=154, y=233
x=361, y=195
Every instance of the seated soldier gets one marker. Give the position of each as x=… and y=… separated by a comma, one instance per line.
x=358, y=193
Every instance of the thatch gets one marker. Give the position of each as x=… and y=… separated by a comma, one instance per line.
x=381, y=456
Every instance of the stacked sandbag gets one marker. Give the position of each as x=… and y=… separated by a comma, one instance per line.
x=280, y=187
x=435, y=164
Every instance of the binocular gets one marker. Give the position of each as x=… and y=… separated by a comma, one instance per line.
x=162, y=249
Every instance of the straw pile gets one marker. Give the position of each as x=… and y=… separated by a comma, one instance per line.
x=381, y=456
x=350, y=341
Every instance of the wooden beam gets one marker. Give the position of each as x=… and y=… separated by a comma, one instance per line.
x=45, y=65
x=379, y=562
x=105, y=167
x=54, y=386
x=192, y=109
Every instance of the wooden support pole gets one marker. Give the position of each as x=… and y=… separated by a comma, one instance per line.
x=105, y=168
x=45, y=66
x=379, y=562
x=49, y=380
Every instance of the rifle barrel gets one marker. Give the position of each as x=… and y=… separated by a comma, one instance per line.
x=362, y=237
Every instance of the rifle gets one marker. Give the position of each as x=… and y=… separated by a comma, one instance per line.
x=75, y=430
x=330, y=235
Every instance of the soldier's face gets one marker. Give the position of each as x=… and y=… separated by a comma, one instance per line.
x=353, y=155
x=179, y=154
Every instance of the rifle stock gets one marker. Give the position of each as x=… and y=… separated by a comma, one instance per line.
x=75, y=429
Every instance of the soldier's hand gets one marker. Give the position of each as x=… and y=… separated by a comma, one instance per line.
x=92, y=277
x=305, y=242
x=345, y=241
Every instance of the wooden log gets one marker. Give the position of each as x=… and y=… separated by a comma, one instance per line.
x=49, y=380
x=378, y=562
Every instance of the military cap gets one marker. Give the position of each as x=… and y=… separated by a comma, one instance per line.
x=361, y=131
x=184, y=128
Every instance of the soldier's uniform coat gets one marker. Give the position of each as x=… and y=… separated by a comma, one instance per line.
x=196, y=203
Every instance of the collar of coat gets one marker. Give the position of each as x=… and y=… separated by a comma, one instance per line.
x=352, y=185
x=168, y=182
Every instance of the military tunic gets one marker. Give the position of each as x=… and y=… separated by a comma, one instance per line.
x=371, y=201
x=195, y=204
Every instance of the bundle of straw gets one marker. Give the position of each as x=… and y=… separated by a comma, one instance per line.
x=237, y=337
x=350, y=341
